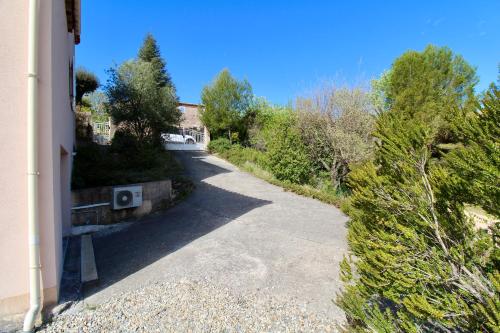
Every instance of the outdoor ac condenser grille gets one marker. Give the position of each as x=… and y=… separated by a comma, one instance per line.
x=127, y=197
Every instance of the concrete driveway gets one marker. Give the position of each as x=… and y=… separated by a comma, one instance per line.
x=235, y=230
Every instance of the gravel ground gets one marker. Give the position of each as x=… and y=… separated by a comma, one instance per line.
x=193, y=306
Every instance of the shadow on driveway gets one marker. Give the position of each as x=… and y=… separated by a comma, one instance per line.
x=123, y=253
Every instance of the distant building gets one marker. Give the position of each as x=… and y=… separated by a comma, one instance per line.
x=191, y=129
x=190, y=116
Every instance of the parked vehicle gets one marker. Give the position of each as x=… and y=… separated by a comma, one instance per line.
x=178, y=138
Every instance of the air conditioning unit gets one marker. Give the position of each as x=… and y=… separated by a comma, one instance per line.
x=127, y=197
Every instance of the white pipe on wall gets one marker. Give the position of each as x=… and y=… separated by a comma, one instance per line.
x=33, y=224
x=91, y=206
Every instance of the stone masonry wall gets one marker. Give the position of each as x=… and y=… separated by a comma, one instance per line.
x=155, y=196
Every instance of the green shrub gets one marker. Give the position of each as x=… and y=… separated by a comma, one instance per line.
x=238, y=155
x=476, y=164
x=256, y=162
x=83, y=128
x=287, y=156
x=95, y=165
x=219, y=145
x=124, y=141
x=279, y=157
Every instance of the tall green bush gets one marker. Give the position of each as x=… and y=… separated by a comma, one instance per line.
x=287, y=156
x=219, y=145
x=420, y=264
x=476, y=164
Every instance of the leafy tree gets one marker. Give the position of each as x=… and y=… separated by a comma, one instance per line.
x=226, y=101
x=431, y=85
x=137, y=103
x=86, y=82
x=336, y=125
x=150, y=52
x=421, y=265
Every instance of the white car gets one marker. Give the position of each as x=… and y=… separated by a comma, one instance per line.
x=178, y=138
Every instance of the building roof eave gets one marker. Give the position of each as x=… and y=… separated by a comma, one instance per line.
x=189, y=104
x=73, y=18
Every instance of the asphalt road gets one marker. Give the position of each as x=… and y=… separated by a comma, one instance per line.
x=235, y=230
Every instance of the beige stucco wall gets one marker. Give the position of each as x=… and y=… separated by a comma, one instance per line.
x=56, y=128
x=190, y=117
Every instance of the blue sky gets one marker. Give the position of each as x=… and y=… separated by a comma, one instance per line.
x=285, y=48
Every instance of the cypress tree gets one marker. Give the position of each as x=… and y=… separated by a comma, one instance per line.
x=150, y=52
x=419, y=264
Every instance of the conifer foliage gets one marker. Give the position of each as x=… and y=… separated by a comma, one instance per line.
x=419, y=264
x=150, y=52
x=477, y=164
x=141, y=96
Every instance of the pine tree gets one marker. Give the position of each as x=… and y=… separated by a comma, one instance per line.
x=150, y=52
x=419, y=263
x=430, y=85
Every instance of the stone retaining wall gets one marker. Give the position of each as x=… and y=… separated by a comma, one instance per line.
x=155, y=196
